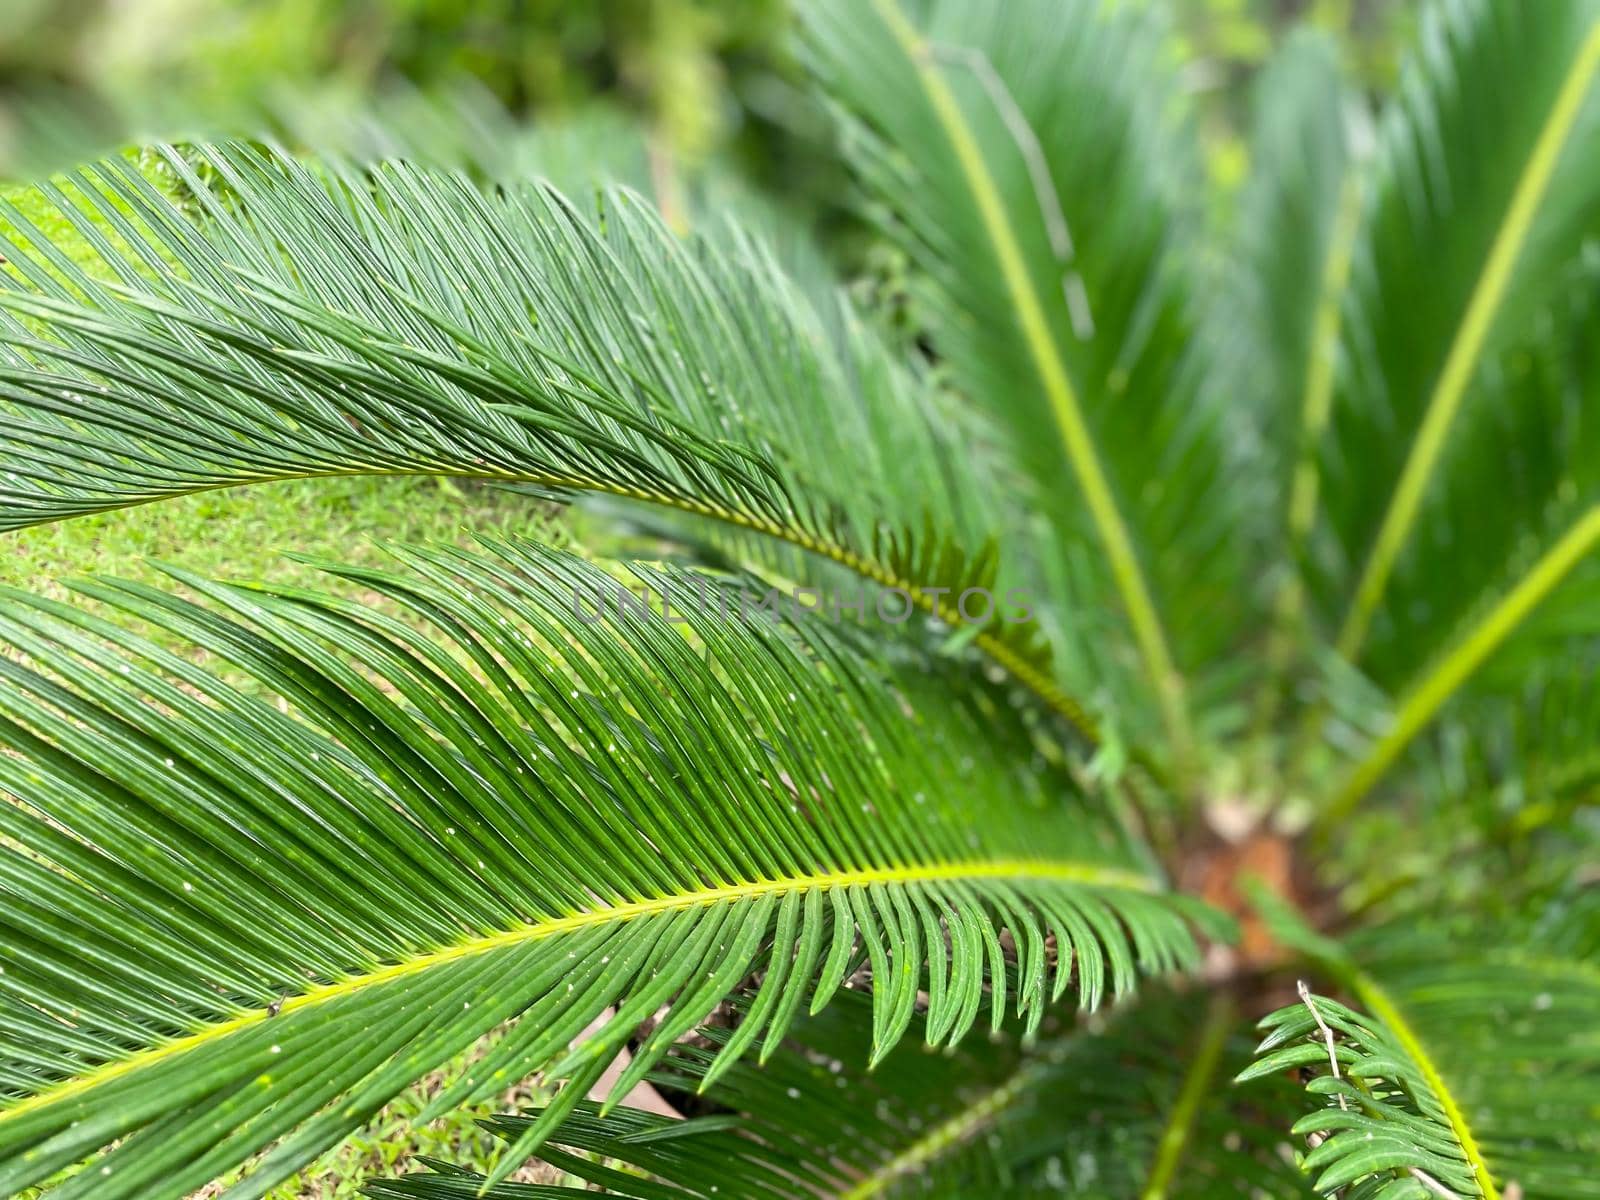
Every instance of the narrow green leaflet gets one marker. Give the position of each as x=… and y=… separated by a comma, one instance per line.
x=291, y=320
x=1475, y=1073
x=1025, y=157
x=1081, y=1112
x=234, y=924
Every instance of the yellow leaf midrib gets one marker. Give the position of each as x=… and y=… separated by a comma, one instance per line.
x=1023, y=870
x=1187, y=1108
x=1466, y=348
x=954, y=1131
x=1423, y=701
x=1057, y=385
x=1383, y=1007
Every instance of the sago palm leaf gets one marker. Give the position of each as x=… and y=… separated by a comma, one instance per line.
x=403, y=321
x=1461, y=371
x=1498, y=598
x=1483, y=194
x=1136, y=1106
x=1529, y=757
x=1277, y=327
x=1466, y=1072
x=234, y=925
x=1275, y=333
x=1505, y=792
x=1384, y=1133
x=1022, y=154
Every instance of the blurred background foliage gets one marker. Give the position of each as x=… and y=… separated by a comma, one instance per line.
x=708, y=77
x=1224, y=42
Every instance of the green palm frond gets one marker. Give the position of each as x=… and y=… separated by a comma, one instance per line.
x=1509, y=779
x=1383, y=1131
x=1463, y=371
x=1276, y=333
x=1518, y=828
x=1506, y=607
x=402, y=321
x=1534, y=752
x=1540, y=399
x=1299, y=484
x=1089, y=1112
x=1290, y=262
x=1023, y=156
x=1475, y=1068
x=1482, y=199
x=235, y=923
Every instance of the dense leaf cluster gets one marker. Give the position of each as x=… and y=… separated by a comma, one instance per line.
x=1307, y=506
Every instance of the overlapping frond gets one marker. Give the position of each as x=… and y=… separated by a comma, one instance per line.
x=1383, y=1132
x=1024, y=156
x=1508, y=778
x=1485, y=190
x=1535, y=449
x=1464, y=366
x=1503, y=611
x=1086, y=1112
x=1468, y=1062
x=252, y=890
x=402, y=320
x=1277, y=324
x=1274, y=333
x=230, y=922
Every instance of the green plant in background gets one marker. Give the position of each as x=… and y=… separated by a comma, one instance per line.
x=80, y=76
x=1224, y=43
x=1305, y=517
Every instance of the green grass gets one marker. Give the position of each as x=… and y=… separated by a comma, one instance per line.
x=242, y=533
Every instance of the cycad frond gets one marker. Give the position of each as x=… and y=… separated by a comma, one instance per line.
x=1511, y=780
x=403, y=321
x=1383, y=1131
x=226, y=917
x=1088, y=1113
x=1025, y=157
x=1483, y=197
x=1465, y=363
x=1277, y=331
x=1475, y=1069
x=1275, y=336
